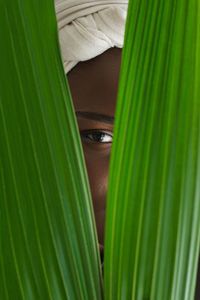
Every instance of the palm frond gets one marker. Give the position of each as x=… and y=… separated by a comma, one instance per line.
x=153, y=207
x=48, y=245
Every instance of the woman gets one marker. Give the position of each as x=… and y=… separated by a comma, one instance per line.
x=91, y=37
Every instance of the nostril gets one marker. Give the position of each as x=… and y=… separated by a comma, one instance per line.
x=102, y=254
x=101, y=249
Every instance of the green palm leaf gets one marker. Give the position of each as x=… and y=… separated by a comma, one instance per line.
x=48, y=243
x=153, y=210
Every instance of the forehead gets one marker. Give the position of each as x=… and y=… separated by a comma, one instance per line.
x=94, y=83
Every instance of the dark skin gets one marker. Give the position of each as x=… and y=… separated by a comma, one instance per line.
x=94, y=86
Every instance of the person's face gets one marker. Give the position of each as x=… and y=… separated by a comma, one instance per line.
x=94, y=86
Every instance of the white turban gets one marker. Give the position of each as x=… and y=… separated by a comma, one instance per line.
x=87, y=28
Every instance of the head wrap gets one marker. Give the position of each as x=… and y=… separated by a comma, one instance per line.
x=87, y=28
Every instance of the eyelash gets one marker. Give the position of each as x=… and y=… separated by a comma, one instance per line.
x=92, y=132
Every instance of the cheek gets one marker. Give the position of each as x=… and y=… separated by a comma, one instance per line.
x=97, y=167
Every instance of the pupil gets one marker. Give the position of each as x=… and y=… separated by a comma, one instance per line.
x=98, y=137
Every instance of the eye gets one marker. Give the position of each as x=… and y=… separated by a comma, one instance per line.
x=96, y=136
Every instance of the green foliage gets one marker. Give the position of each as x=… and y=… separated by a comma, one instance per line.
x=48, y=240
x=48, y=243
x=153, y=211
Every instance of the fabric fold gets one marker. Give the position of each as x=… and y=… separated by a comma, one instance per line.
x=88, y=28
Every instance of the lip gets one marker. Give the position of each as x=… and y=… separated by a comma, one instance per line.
x=101, y=250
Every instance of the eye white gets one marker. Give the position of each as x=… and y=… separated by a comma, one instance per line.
x=106, y=138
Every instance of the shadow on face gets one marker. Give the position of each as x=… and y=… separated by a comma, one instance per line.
x=94, y=86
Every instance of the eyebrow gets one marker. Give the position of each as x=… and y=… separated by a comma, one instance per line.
x=95, y=116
